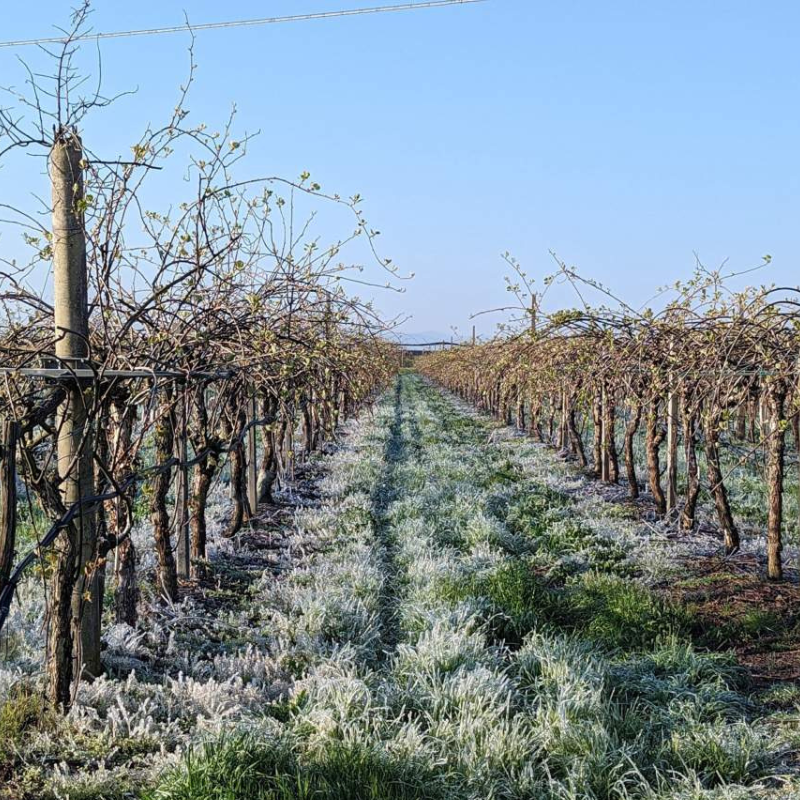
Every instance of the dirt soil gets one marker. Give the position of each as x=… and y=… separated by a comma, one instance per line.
x=737, y=607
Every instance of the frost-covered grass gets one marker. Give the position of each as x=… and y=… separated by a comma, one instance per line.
x=492, y=638
x=454, y=625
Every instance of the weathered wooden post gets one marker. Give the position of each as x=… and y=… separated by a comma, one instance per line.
x=290, y=454
x=672, y=449
x=74, y=634
x=604, y=434
x=9, y=433
x=673, y=421
x=796, y=433
x=182, y=515
x=796, y=429
x=252, y=457
x=776, y=451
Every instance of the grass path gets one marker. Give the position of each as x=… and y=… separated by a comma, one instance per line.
x=466, y=633
x=456, y=628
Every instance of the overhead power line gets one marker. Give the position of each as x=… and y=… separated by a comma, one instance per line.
x=243, y=23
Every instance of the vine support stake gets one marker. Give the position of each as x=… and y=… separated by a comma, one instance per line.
x=673, y=421
x=252, y=457
x=75, y=616
x=182, y=491
x=605, y=472
x=672, y=450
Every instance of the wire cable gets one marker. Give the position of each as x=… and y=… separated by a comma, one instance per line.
x=244, y=23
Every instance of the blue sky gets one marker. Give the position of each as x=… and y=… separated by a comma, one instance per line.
x=625, y=136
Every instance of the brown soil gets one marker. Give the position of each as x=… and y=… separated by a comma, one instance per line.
x=736, y=607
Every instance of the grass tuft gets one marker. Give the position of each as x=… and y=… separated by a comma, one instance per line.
x=246, y=767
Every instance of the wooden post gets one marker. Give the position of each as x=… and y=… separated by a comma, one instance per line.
x=796, y=431
x=672, y=449
x=604, y=432
x=183, y=564
x=9, y=433
x=796, y=428
x=74, y=630
x=252, y=458
x=776, y=451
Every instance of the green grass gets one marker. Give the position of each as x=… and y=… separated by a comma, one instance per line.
x=24, y=710
x=246, y=767
x=515, y=599
x=620, y=614
x=609, y=610
x=546, y=517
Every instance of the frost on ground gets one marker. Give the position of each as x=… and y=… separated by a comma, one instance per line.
x=450, y=621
